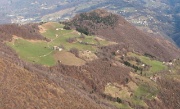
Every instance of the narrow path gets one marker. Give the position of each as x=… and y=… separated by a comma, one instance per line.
x=57, y=36
x=46, y=54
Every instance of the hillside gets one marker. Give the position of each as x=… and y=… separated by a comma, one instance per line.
x=34, y=86
x=21, y=88
x=59, y=86
x=97, y=60
x=114, y=28
x=159, y=17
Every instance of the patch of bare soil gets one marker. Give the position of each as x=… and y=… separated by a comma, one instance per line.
x=42, y=29
x=68, y=58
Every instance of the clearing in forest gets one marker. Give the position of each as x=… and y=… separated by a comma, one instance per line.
x=43, y=52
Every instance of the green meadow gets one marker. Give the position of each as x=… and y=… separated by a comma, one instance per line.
x=41, y=52
x=156, y=66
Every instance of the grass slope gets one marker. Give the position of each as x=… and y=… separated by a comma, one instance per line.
x=42, y=52
x=156, y=66
x=136, y=92
x=33, y=51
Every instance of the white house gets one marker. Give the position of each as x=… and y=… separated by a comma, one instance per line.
x=57, y=48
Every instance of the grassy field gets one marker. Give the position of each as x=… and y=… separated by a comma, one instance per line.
x=136, y=91
x=114, y=91
x=33, y=51
x=135, y=94
x=156, y=66
x=41, y=52
x=146, y=89
x=143, y=92
x=59, y=36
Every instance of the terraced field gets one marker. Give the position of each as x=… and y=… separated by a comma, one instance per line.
x=135, y=92
x=43, y=52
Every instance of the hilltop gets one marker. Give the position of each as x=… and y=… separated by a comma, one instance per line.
x=115, y=28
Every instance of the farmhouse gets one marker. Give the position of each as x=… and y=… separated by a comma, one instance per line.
x=57, y=48
x=59, y=29
x=168, y=63
x=155, y=78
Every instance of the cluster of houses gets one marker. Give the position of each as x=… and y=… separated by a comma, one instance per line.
x=168, y=63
